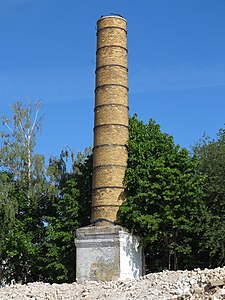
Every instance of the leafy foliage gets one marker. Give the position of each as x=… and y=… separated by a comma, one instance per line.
x=163, y=194
x=69, y=209
x=211, y=154
x=8, y=204
x=26, y=192
x=175, y=202
x=40, y=207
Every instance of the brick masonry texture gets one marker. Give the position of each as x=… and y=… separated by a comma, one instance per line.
x=108, y=54
x=108, y=176
x=111, y=114
x=111, y=75
x=116, y=155
x=111, y=119
x=111, y=94
x=119, y=135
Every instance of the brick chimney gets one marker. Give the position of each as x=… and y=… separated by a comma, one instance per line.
x=111, y=119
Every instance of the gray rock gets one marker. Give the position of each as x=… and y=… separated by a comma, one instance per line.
x=192, y=285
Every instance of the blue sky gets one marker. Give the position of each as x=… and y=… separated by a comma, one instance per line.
x=176, y=65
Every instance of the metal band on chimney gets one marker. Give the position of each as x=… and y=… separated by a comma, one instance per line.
x=111, y=119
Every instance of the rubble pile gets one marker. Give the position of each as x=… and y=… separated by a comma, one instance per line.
x=207, y=284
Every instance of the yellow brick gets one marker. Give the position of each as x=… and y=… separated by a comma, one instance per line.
x=111, y=119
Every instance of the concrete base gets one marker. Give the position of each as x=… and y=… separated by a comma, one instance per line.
x=107, y=253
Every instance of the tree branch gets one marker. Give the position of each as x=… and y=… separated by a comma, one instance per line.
x=8, y=127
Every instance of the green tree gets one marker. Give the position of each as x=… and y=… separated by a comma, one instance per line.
x=69, y=209
x=164, y=193
x=82, y=170
x=40, y=208
x=18, y=143
x=211, y=155
x=8, y=204
x=28, y=183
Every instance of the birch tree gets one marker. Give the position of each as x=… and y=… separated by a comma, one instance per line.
x=18, y=140
x=26, y=189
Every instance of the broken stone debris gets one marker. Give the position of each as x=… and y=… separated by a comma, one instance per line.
x=207, y=284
